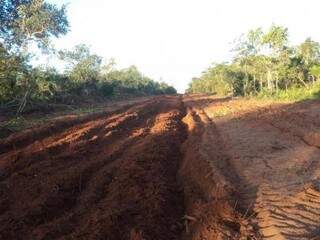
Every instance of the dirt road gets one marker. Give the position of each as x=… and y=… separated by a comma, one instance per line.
x=168, y=167
x=274, y=151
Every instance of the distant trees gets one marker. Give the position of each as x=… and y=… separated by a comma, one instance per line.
x=263, y=62
x=34, y=22
x=83, y=69
x=82, y=66
x=84, y=76
x=88, y=76
x=132, y=81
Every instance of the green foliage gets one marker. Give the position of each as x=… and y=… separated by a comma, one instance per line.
x=12, y=71
x=47, y=82
x=24, y=21
x=12, y=125
x=82, y=67
x=294, y=93
x=276, y=38
x=132, y=81
x=106, y=88
x=265, y=65
x=84, y=77
x=315, y=71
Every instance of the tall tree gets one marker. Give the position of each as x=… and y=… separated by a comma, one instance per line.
x=25, y=21
x=82, y=65
x=263, y=62
x=309, y=52
x=248, y=45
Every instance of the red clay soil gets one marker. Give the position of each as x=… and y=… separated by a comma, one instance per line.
x=109, y=176
x=212, y=206
x=274, y=150
x=166, y=168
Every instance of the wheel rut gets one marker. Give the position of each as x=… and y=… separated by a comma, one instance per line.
x=110, y=177
x=163, y=168
x=277, y=169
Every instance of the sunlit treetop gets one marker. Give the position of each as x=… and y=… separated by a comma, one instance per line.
x=26, y=21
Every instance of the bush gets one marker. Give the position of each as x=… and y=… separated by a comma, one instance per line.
x=106, y=88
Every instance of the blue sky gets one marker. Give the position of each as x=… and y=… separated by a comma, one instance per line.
x=175, y=40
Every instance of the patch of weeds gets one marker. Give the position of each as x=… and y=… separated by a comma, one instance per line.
x=219, y=111
x=13, y=125
x=86, y=110
x=20, y=123
x=293, y=94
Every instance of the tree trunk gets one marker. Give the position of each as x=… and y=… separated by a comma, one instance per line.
x=303, y=82
x=23, y=103
x=313, y=80
x=269, y=81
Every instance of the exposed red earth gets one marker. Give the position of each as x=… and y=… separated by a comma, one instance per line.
x=169, y=167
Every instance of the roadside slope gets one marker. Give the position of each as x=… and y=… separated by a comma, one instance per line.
x=274, y=151
x=209, y=182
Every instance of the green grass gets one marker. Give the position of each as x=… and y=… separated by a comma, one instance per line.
x=222, y=112
x=19, y=123
x=14, y=124
x=293, y=94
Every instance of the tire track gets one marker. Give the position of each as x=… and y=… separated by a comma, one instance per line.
x=277, y=169
x=210, y=182
x=115, y=180
x=73, y=141
x=30, y=136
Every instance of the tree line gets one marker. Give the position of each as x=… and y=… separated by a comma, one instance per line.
x=263, y=63
x=25, y=24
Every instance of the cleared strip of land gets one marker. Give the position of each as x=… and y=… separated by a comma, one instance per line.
x=169, y=167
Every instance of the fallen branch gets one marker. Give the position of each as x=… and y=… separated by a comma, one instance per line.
x=190, y=218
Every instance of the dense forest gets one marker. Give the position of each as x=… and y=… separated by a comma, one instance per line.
x=29, y=24
x=264, y=64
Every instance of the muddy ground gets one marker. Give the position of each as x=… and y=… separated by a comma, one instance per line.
x=169, y=167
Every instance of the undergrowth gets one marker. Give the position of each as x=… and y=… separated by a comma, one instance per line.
x=293, y=94
x=18, y=123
